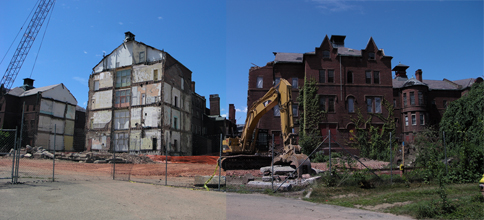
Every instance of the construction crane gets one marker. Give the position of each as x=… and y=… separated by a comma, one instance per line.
x=28, y=38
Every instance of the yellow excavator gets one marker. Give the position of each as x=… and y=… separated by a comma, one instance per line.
x=242, y=152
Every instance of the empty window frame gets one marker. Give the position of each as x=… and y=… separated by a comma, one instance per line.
x=406, y=120
x=121, y=119
x=121, y=142
x=371, y=55
x=373, y=104
x=277, y=81
x=349, y=77
x=404, y=99
x=277, y=112
x=123, y=78
x=175, y=101
x=412, y=98
x=122, y=98
x=330, y=76
x=96, y=85
x=175, y=122
x=351, y=105
x=420, y=98
x=444, y=103
x=294, y=110
x=326, y=54
x=422, y=118
x=414, y=119
x=260, y=82
x=294, y=83
x=182, y=84
x=142, y=57
x=155, y=74
x=327, y=103
x=368, y=77
x=322, y=76
x=376, y=77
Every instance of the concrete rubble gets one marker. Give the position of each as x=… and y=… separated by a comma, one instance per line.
x=83, y=157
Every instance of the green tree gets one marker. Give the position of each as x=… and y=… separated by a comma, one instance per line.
x=371, y=140
x=463, y=119
x=310, y=116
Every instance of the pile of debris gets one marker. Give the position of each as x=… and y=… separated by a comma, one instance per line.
x=84, y=157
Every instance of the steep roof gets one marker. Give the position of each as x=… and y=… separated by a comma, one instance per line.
x=19, y=92
x=57, y=92
x=288, y=57
x=436, y=84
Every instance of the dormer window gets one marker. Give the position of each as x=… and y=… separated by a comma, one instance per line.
x=326, y=54
x=371, y=55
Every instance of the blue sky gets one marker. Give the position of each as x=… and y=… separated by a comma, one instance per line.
x=220, y=40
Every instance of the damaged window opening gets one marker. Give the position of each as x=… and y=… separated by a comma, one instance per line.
x=155, y=74
x=122, y=98
x=123, y=78
x=142, y=57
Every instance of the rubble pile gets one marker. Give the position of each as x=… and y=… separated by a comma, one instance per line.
x=83, y=157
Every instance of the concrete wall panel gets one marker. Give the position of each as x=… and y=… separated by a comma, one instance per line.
x=42, y=140
x=68, y=143
x=57, y=125
x=71, y=112
x=167, y=93
x=145, y=95
x=100, y=119
x=44, y=123
x=167, y=116
x=100, y=142
x=135, y=117
x=59, y=142
x=152, y=116
x=102, y=100
x=69, y=127
x=46, y=106
x=105, y=79
x=59, y=109
x=60, y=93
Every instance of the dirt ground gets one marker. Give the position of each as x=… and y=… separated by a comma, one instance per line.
x=177, y=167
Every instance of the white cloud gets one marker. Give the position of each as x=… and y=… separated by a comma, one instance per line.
x=85, y=52
x=335, y=5
x=224, y=115
x=160, y=18
x=84, y=104
x=80, y=80
x=241, y=110
x=120, y=23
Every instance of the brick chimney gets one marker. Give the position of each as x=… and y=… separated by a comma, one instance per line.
x=214, y=104
x=128, y=36
x=232, y=113
x=418, y=75
x=193, y=86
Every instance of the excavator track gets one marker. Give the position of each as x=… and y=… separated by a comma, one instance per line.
x=245, y=162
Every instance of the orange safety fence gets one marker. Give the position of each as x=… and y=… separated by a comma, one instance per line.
x=185, y=159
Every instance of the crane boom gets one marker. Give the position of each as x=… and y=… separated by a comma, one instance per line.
x=26, y=42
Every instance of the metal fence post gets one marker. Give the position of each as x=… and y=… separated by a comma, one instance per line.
x=329, y=135
x=166, y=163
x=272, y=163
x=220, y=163
x=53, y=163
x=391, y=160
x=114, y=160
x=14, y=153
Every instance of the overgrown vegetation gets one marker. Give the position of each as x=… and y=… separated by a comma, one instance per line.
x=373, y=140
x=310, y=117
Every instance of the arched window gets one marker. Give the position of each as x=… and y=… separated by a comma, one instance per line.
x=351, y=105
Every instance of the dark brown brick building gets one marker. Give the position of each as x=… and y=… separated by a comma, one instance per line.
x=350, y=79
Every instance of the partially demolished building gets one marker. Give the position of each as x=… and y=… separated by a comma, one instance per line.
x=50, y=118
x=139, y=100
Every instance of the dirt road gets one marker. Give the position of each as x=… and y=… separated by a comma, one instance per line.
x=109, y=199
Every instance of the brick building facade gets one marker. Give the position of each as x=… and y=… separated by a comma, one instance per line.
x=350, y=79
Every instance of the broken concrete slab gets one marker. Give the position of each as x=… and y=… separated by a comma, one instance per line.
x=278, y=169
x=268, y=185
